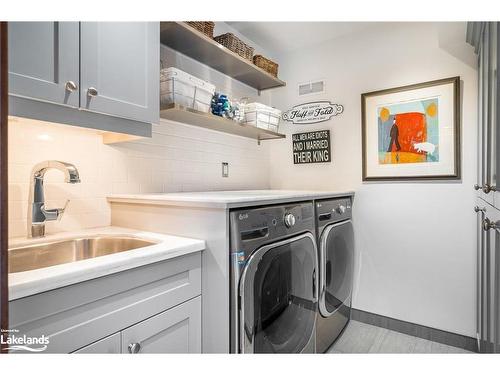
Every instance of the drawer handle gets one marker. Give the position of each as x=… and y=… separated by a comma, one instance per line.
x=134, y=348
x=92, y=91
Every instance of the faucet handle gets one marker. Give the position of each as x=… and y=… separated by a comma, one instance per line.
x=62, y=210
x=55, y=213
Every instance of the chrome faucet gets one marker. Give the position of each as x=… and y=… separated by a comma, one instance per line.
x=37, y=213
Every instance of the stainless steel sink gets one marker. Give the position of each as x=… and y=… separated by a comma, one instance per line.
x=41, y=255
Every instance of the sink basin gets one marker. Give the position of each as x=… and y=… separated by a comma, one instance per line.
x=41, y=255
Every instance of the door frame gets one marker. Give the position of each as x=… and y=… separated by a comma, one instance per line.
x=4, y=101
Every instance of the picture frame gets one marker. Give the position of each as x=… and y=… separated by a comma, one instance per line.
x=412, y=132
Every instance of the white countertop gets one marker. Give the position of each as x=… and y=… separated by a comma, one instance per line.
x=22, y=284
x=226, y=199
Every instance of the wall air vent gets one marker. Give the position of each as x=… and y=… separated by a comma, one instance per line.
x=309, y=88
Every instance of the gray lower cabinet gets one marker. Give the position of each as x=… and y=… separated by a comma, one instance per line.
x=44, y=61
x=108, y=345
x=177, y=330
x=120, y=69
x=151, y=304
x=488, y=279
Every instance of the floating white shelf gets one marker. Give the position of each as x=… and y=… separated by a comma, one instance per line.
x=175, y=112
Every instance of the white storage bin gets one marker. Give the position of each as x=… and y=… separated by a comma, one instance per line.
x=262, y=116
x=179, y=87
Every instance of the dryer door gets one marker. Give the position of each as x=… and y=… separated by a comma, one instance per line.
x=278, y=294
x=336, y=266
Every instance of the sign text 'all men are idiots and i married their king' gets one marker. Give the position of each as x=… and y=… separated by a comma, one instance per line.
x=311, y=147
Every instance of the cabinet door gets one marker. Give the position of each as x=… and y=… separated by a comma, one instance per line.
x=489, y=280
x=495, y=119
x=489, y=134
x=110, y=344
x=43, y=60
x=177, y=330
x=120, y=68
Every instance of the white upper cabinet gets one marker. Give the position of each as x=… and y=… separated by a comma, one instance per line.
x=120, y=69
x=44, y=61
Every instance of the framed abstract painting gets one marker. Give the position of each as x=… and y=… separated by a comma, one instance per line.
x=412, y=132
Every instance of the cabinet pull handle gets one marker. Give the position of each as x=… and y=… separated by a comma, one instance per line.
x=71, y=86
x=92, y=91
x=134, y=348
x=488, y=224
x=485, y=188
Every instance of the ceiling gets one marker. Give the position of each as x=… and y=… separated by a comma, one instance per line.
x=288, y=36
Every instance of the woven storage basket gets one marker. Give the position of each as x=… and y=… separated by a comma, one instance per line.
x=236, y=45
x=206, y=27
x=266, y=64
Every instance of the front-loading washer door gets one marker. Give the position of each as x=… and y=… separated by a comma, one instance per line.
x=278, y=296
x=336, y=266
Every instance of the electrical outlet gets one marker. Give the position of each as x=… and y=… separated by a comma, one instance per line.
x=225, y=169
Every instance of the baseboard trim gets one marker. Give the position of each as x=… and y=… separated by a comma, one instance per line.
x=417, y=330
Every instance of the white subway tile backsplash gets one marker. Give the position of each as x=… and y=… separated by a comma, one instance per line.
x=177, y=158
x=18, y=210
x=18, y=192
x=17, y=228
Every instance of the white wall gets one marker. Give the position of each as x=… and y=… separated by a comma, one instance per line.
x=415, y=241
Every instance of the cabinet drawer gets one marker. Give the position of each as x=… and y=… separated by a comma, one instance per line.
x=177, y=330
x=108, y=345
x=79, y=314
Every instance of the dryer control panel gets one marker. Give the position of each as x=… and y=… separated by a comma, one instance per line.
x=333, y=210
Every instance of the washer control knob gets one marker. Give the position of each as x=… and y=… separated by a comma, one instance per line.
x=289, y=220
x=341, y=209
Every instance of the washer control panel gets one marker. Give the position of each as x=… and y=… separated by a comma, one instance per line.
x=333, y=210
x=253, y=226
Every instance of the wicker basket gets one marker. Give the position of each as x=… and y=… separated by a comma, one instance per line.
x=236, y=45
x=266, y=64
x=206, y=27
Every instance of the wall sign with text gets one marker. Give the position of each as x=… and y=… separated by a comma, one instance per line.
x=310, y=113
x=311, y=147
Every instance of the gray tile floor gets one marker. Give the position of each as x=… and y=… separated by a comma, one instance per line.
x=364, y=338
